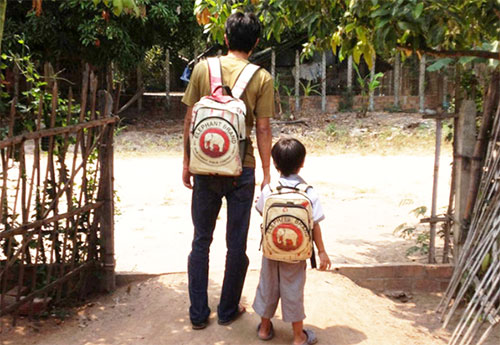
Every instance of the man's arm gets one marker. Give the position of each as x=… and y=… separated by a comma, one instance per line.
x=186, y=175
x=264, y=142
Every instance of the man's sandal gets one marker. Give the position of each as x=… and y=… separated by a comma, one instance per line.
x=241, y=311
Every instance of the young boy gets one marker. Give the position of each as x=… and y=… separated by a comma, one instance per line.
x=281, y=279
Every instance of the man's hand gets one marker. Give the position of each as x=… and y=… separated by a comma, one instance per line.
x=186, y=177
x=265, y=181
x=324, y=261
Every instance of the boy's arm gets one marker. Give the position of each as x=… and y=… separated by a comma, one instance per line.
x=324, y=260
x=186, y=175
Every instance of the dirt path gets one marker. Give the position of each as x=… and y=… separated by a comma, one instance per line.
x=364, y=197
x=155, y=312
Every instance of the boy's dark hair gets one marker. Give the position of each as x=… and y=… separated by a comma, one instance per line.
x=288, y=155
x=242, y=31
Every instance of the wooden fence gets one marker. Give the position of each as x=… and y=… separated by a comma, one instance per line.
x=56, y=201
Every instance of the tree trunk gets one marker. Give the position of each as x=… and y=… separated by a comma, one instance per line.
x=465, y=135
x=421, y=85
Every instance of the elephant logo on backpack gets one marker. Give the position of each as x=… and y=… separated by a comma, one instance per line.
x=214, y=143
x=287, y=236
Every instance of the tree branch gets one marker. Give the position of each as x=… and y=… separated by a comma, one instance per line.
x=456, y=53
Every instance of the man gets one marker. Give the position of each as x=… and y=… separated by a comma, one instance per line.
x=241, y=35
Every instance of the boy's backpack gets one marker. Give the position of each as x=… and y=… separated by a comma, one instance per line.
x=218, y=135
x=287, y=228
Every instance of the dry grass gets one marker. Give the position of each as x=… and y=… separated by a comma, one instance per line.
x=340, y=133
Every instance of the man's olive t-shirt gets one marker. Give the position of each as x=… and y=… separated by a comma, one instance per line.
x=258, y=95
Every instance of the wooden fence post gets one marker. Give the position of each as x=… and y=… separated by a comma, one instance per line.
x=297, y=81
x=107, y=209
x=466, y=138
x=139, y=87
x=349, y=72
x=371, y=106
x=273, y=63
x=167, y=80
x=397, y=66
x=421, y=85
x=323, y=81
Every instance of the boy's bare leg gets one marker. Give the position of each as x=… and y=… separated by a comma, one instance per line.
x=265, y=327
x=299, y=337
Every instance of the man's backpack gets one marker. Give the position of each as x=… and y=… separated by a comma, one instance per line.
x=287, y=228
x=218, y=134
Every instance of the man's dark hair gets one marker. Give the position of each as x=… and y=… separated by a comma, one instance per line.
x=288, y=155
x=242, y=31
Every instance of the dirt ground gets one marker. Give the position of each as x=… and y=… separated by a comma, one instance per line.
x=367, y=188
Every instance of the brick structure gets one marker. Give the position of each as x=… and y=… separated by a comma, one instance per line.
x=381, y=103
x=405, y=277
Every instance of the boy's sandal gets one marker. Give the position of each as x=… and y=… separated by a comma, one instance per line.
x=310, y=337
x=267, y=337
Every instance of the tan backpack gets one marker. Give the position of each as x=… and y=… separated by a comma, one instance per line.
x=218, y=135
x=287, y=228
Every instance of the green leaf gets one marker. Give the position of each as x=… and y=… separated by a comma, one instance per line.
x=404, y=26
x=96, y=2
x=417, y=12
x=439, y=64
x=117, y=7
x=349, y=27
x=380, y=12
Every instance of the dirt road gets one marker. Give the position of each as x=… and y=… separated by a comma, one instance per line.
x=364, y=197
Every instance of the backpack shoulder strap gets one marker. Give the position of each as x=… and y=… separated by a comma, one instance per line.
x=303, y=187
x=215, y=73
x=243, y=79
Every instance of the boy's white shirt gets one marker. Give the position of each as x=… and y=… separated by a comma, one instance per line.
x=292, y=181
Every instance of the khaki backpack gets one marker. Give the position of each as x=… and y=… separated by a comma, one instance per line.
x=287, y=228
x=218, y=135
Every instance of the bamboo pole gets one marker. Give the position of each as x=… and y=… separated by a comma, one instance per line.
x=432, y=239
